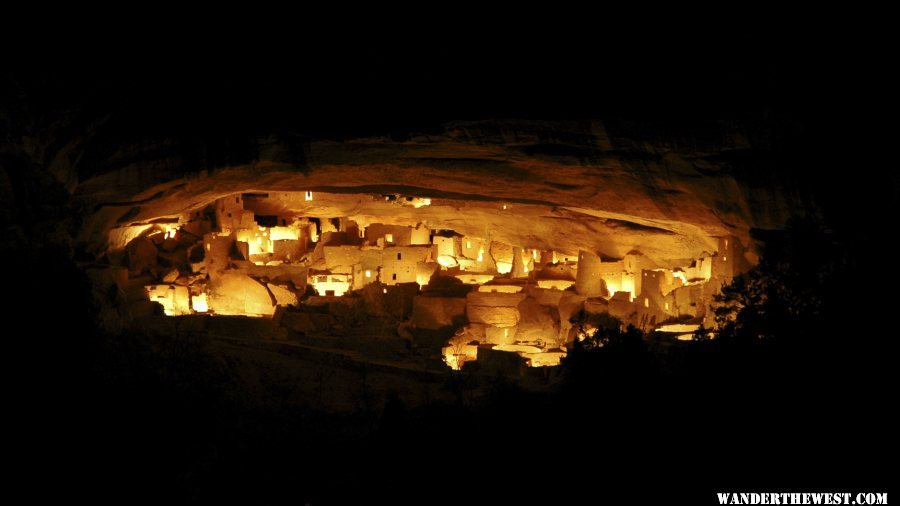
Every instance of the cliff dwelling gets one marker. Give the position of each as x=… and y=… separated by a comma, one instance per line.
x=495, y=281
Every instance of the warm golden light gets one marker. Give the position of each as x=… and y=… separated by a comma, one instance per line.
x=471, y=279
x=555, y=284
x=175, y=300
x=261, y=240
x=620, y=282
x=678, y=328
x=330, y=284
x=458, y=353
x=500, y=288
x=447, y=261
x=588, y=332
x=545, y=359
x=453, y=361
x=518, y=348
x=199, y=303
x=168, y=230
x=284, y=234
x=254, y=268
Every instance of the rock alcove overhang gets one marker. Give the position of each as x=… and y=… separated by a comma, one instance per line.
x=569, y=186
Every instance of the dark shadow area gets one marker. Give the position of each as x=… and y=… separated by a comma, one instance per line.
x=795, y=391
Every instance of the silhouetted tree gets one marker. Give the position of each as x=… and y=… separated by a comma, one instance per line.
x=784, y=296
x=604, y=352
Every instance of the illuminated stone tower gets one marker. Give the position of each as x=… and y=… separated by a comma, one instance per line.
x=588, y=280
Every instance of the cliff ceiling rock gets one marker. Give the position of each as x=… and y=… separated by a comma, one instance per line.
x=610, y=187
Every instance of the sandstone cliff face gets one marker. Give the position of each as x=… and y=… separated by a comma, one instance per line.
x=610, y=187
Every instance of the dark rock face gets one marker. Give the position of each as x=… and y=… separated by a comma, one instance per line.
x=664, y=191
